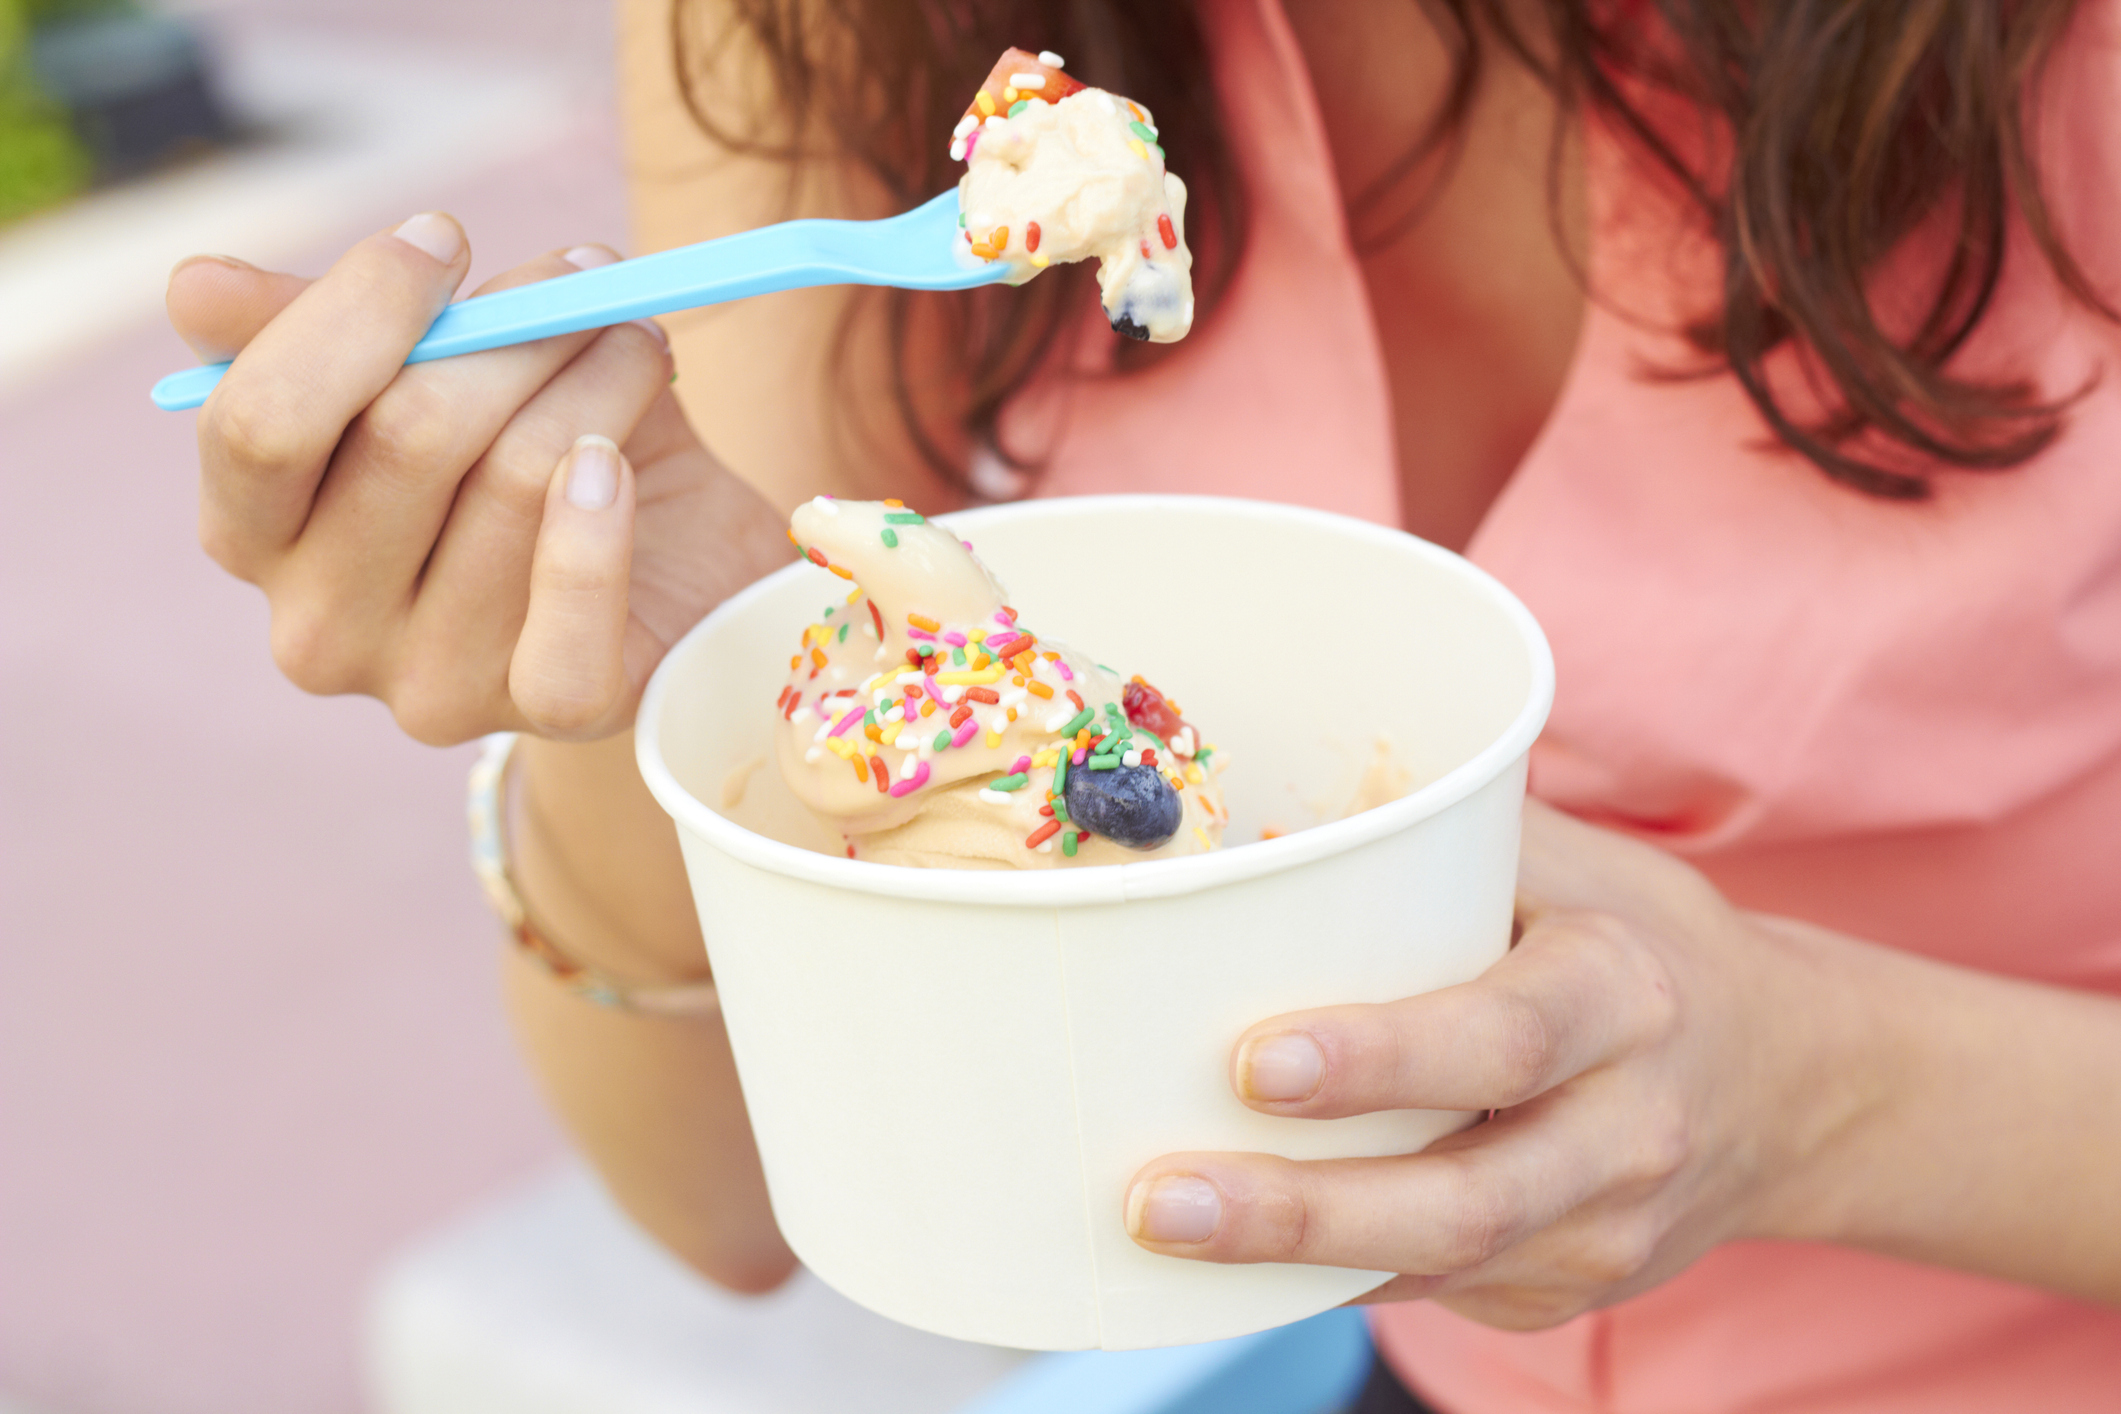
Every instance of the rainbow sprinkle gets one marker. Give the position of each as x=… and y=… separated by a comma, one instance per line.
x=988, y=680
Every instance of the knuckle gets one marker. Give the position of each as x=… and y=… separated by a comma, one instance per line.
x=566, y=704
x=250, y=434
x=413, y=426
x=1657, y=1000
x=1609, y=948
x=515, y=474
x=575, y=576
x=1292, y=1215
x=1275, y=1210
x=445, y=688
x=642, y=351
x=1373, y=1054
x=434, y=718
x=1525, y=1049
x=313, y=651
x=1664, y=1145
x=1482, y=1221
x=1618, y=1255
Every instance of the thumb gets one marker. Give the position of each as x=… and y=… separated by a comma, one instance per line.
x=1567, y=865
x=568, y=674
x=218, y=303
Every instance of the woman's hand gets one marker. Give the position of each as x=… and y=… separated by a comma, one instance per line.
x=463, y=538
x=1661, y=1064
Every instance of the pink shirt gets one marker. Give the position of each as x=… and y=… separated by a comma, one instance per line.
x=1901, y=721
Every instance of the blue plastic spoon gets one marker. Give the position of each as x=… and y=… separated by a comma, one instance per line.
x=917, y=250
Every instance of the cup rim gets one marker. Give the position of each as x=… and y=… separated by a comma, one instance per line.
x=1110, y=883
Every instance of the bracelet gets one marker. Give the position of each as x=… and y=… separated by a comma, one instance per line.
x=485, y=807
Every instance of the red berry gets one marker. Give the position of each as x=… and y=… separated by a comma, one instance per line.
x=1148, y=709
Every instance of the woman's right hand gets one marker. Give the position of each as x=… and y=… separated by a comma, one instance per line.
x=464, y=538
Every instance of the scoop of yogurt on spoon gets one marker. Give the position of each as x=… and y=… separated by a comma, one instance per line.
x=1056, y=172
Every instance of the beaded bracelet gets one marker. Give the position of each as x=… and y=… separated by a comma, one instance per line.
x=485, y=806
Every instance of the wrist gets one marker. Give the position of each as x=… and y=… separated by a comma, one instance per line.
x=1988, y=1130
x=1842, y=1022
x=597, y=862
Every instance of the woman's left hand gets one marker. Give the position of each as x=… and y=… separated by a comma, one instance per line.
x=1661, y=1064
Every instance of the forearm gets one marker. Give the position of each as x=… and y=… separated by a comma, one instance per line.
x=1980, y=1127
x=652, y=1101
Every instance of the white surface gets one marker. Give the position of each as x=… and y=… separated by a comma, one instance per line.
x=954, y=1074
x=550, y=1302
x=350, y=125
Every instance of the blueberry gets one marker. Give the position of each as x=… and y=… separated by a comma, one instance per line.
x=1126, y=325
x=1130, y=805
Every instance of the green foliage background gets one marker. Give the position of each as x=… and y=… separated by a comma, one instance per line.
x=41, y=161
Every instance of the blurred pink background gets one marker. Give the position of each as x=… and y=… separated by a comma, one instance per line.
x=248, y=1032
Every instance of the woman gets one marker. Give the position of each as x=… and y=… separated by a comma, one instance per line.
x=1756, y=347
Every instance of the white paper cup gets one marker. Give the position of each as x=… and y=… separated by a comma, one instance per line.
x=953, y=1073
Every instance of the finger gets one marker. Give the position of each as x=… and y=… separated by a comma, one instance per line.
x=473, y=594
x=1601, y=1252
x=568, y=674
x=697, y=502
x=1446, y=1210
x=268, y=429
x=1598, y=1254
x=391, y=483
x=218, y=303
x=1576, y=991
x=1566, y=864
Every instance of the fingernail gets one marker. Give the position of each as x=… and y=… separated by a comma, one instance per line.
x=589, y=257
x=1284, y=1067
x=655, y=332
x=1179, y=1209
x=434, y=234
x=228, y=260
x=593, y=474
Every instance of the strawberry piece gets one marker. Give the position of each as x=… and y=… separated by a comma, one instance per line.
x=999, y=93
x=1150, y=710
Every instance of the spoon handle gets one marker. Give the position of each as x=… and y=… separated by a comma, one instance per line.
x=915, y=250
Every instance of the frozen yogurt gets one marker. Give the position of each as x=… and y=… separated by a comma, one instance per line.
x=928, y=725
x=1057, y=172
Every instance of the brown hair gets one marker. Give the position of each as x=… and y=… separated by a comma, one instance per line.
x=1849, y=124
x=882, y=82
